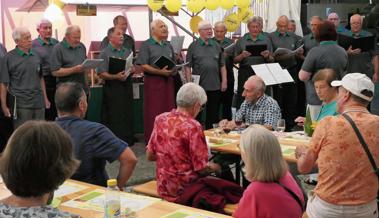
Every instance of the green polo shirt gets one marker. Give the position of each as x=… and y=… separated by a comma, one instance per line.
x=248, y=40
x=289, y=41
x=206, y=60
x=22, y=72
x=44, y=50
x=65, y=56
x=309, y=42
x=327, y=55
x=151, y=51
x=108, y=52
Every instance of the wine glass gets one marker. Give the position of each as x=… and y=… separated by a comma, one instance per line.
x=238, y=125
x=281, y=125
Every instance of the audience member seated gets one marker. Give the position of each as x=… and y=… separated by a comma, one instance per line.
x=94, y=144
x=179, y=146
x=37, y=160
x=258, y=108
x=273, y=192
x=326, y=93
x=347, y=184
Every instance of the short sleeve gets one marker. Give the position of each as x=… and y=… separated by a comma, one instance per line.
x=309, y=62
x=238, y=48
x=198, y=149
x=143, y=55
x=222, y=58
x=106, y=145
x=189, y=55
x=56, y=58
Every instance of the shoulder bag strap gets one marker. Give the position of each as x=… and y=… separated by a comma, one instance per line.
x=294, y=196
x=364, y=145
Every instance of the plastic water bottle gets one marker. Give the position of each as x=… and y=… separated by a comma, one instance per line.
x=112, y=200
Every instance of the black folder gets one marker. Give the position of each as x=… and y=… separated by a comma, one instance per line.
x=163, y=61
x=256, y=50
x=364, y=43
x=12, y=105
x=116, y=65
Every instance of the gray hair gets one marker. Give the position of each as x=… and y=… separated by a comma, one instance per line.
x=203, y=24
x=316, y=17
x=72, y=28
x=42, y=21
x=17, y=32
x=154, y=23
x=220, y=23
x=255, y=19
x=262, y=155
x=189, y=94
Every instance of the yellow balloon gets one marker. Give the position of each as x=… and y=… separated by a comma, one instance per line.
x=227, y=4
x=173, y=5
x=245, y=14
x=243, y=3
x=195, y=5
x=232, y=22
x=195, y=20
x=212, y=4
x=155, y=5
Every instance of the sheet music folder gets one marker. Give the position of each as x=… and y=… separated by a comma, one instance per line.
x=256, y=50
x=163, y=61
x=364, y=43
x=272, y=74
x=116, y=65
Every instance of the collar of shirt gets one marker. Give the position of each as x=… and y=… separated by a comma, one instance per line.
x=68, y=117
x=224, y=41
x=121, y=50
x=154, y=42
x=66, y=45
x=210, y=42
x=40, y=40
x=311, y=36
x=328, y=43
x=341, y=29
x=277, y=33
x=361, y=33
x=22, y=53
x=260, y=37
x=259, y=102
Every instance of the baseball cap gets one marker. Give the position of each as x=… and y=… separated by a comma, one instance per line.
x=358, y=84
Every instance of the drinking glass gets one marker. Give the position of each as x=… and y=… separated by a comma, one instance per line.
x=281, y=125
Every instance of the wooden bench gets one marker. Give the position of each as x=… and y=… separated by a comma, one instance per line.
x=150, y=189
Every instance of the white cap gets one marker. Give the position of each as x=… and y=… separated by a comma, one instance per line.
x=358, y=84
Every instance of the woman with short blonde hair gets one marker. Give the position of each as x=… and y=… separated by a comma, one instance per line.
x=273, y=192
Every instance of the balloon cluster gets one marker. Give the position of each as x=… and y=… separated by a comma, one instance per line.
x=232, y=21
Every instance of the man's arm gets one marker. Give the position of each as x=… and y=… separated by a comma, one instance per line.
x=3, y=98
x=150, y=156
x=46, y=99
x=156, y=71
x=304, y=75
x=128, y=162
x=68, y=71
x=306, y=159
x=375, y=77
x=223, y=79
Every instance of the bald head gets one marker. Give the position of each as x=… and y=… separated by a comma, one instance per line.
x=356, y=23
x=282, y=24
x=254, y=89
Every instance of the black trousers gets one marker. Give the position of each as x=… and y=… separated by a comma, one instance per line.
x=226, y=102
x=212, y=109
x=50, y=83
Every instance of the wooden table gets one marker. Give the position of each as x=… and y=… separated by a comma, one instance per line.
x=232, y=148
x=156, y=210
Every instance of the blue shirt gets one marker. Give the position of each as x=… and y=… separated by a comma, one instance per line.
x=265, y=111
x=93, y=145
x=327, y=110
